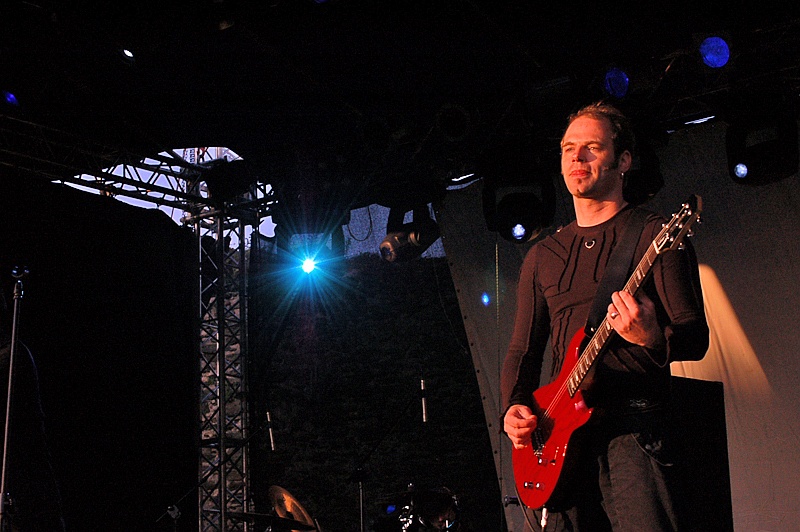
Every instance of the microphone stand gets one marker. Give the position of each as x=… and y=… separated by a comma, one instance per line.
x=18, y=274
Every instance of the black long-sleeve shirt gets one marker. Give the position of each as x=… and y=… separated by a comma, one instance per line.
x=558, y=281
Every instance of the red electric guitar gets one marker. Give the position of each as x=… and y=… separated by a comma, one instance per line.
x=561, y=409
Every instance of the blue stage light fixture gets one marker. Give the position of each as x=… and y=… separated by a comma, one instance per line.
x=519, y=231
x=715, y=52
x=616, y=82
x=763, y=149
x=520, y=217
x=485, y=299
x=10, y=99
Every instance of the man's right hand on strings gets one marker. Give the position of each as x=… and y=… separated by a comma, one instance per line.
x=518, y=423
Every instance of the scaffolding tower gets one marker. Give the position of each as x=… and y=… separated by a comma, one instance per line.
x=224, y=458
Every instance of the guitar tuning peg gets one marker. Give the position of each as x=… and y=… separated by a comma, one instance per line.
x=681, y=246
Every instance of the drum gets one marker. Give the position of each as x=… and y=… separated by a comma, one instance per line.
x=423, y=510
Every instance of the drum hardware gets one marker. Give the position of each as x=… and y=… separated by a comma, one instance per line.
x=423, y=510
x=359, y=474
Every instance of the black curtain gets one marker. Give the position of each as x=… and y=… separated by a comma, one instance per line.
x=108, y=315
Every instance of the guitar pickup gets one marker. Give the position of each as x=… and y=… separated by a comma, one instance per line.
x=544, y=462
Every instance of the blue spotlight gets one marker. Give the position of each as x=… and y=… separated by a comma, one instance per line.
x=715, y=52
x=740, y=170
x=519, y=217
x=485, y=299
x=309, y=265
x=519, y=232
x=616, y=82
x=10, y=99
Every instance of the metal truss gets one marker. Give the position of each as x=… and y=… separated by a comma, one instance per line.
x=224, y=456
x=222, y=233
x=166, y=179
x=174, y=182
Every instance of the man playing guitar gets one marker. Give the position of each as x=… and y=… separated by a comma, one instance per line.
x=619, y=478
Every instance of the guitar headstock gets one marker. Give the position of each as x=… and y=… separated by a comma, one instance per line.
x=671, y=236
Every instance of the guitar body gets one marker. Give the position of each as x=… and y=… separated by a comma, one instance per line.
x=538, y=467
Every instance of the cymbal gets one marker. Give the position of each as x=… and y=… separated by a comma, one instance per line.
x=286, y=506
x=278, y=523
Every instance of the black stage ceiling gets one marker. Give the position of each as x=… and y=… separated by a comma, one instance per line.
x=382, y=101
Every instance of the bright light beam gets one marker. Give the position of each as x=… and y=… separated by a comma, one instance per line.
x=309, y=265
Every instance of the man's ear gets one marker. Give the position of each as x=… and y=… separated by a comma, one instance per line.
x=625, y=161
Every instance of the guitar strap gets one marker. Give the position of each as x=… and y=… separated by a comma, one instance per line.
x=616, y=273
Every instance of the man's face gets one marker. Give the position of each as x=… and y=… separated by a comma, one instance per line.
x=588, y=163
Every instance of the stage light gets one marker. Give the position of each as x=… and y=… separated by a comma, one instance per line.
x=485, y=299
x=10, y=99
x=616, y=82
x=519, y=216
x=227, y=180
x=518, y=190
x=715, y=52
x=126, y=56
x=764, y=149
x=407, y=241
x=309, y=265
